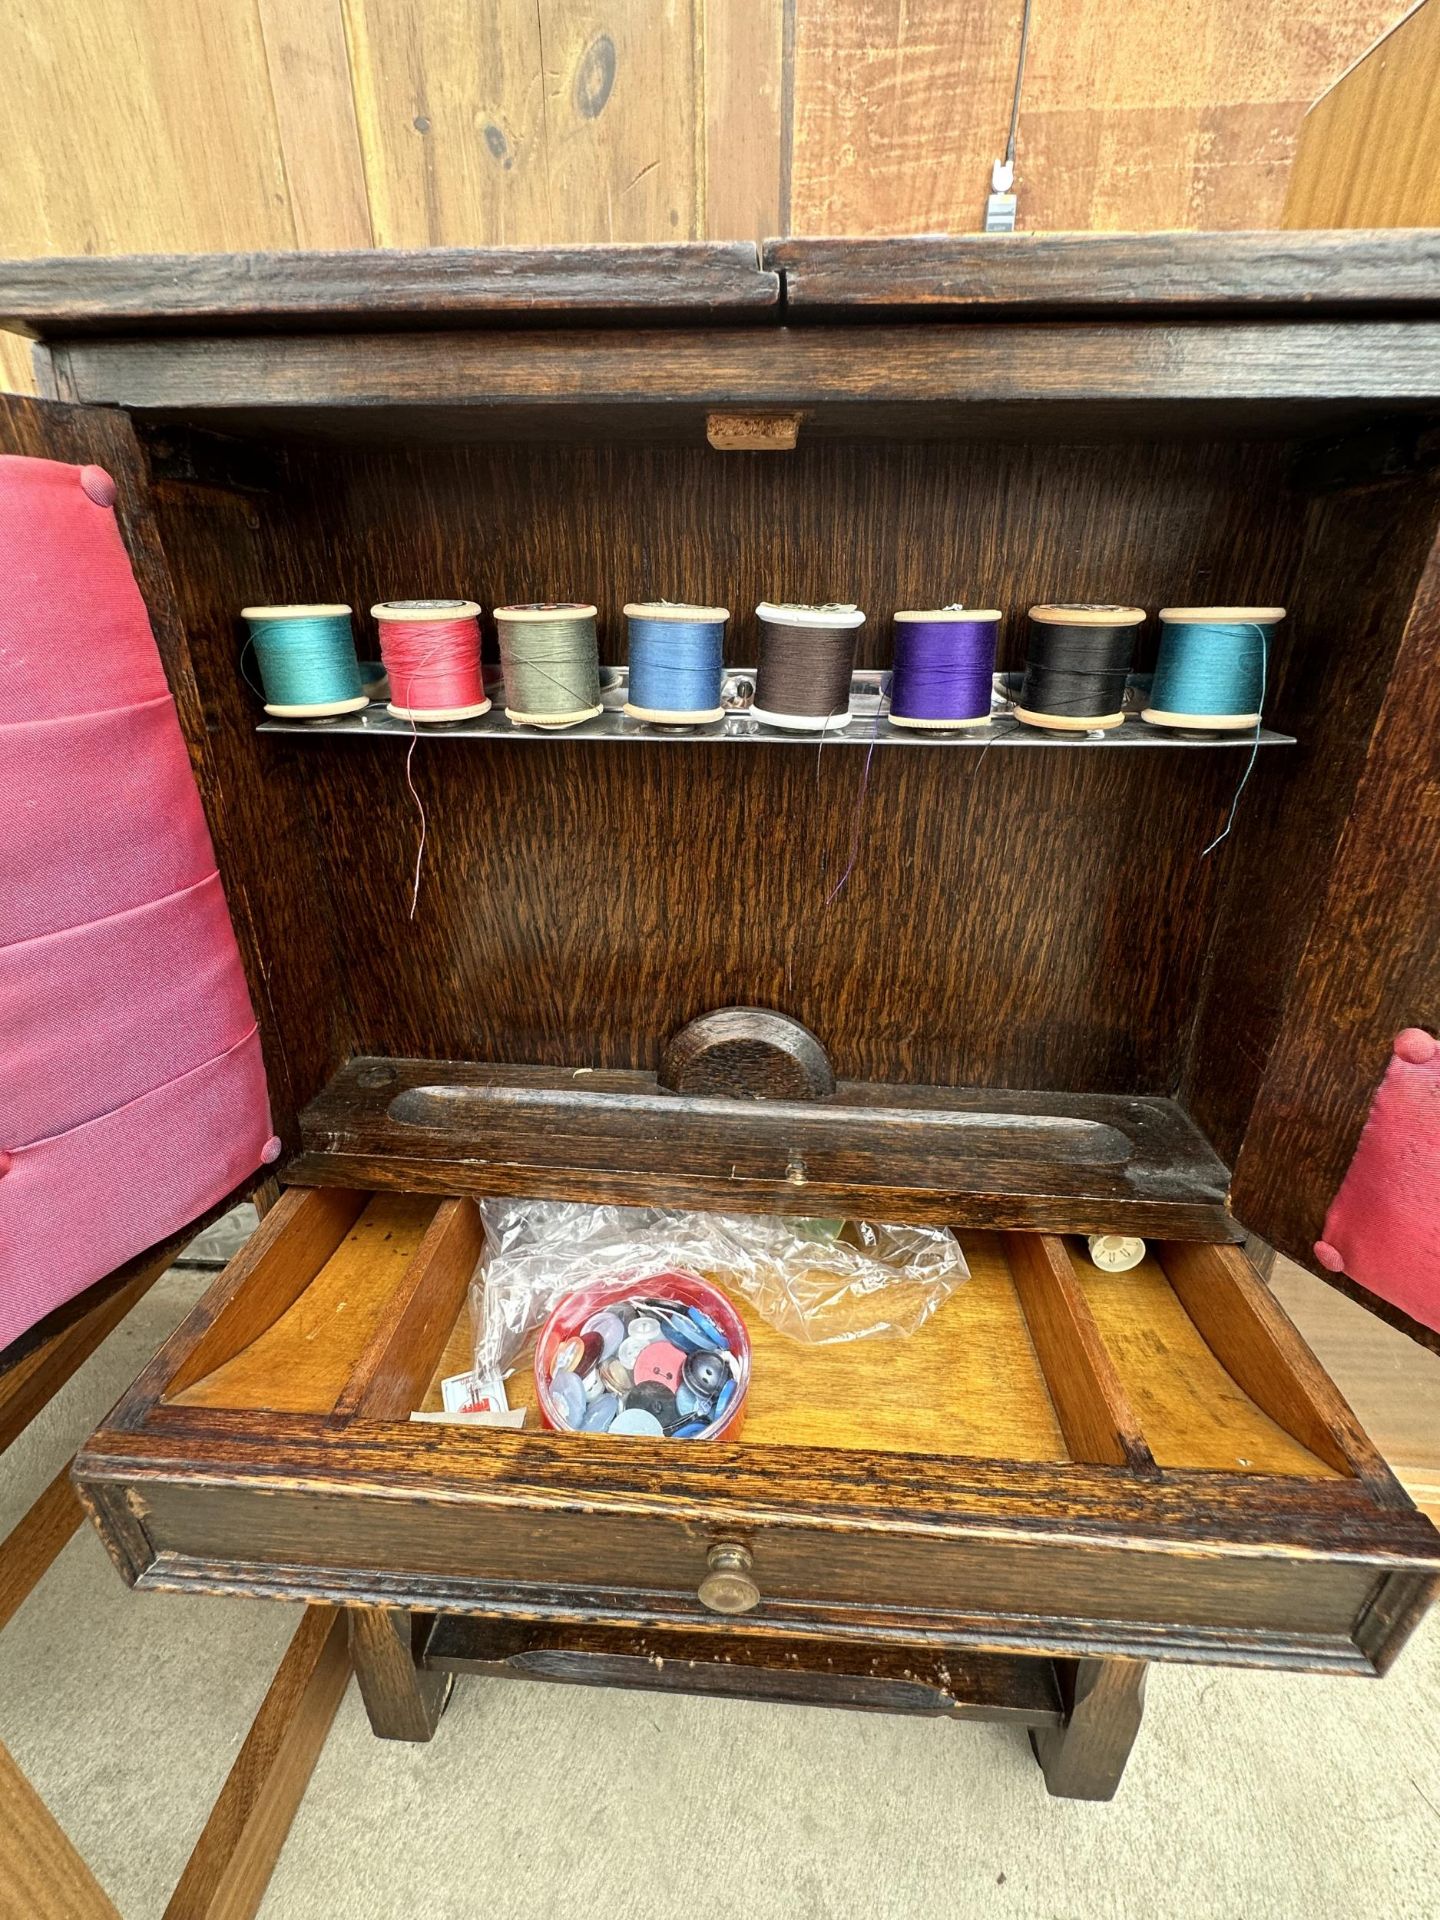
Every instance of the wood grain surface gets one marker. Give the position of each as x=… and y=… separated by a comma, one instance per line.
x=805, y=1672
x=301, y=1360
x=1188, y=273
x=42, y=1877
x=1007, y=1366
x=1128, y=121
x=1084, y=1758
x=924, y=1153
x=895, y=380
x=1366, y=152
x=388, y=1377
x=1193, y=1413
x=249, y=292
x=308, y=64
x=1359, y=569
x=746, y=1053
x=1029, y=1557
x=229, y=1869
x=968, y=1383
x=1082, y=995
x=190, y=128
x=1094, y=1410
x=749, y=106
x=140, y=127
x=288, y=1248
x=402, y=1701
x=563, y=122
x=1248, y=1333
x=1371, y=965
x=36, y=1540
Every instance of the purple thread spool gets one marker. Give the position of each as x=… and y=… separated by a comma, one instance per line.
x=944, y=666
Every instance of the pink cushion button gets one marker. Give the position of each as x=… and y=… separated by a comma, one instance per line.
x=272, y=1150
x=661, y=1362
x=1416, y=1046
x=98, y=486
x=1329, y=1256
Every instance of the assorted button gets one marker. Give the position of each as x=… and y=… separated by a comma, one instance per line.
x=646, y=1366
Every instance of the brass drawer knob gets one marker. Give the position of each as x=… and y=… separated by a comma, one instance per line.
x=728, y=1588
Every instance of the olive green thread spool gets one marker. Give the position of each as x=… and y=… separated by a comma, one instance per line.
x=551, y=662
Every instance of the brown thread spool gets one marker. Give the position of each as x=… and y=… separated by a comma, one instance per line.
x=1076, y=665
x=807, y=658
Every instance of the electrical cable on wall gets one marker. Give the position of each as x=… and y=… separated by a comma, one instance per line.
x=1000, y=206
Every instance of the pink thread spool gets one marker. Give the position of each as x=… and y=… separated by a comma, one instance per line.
x=431, y=650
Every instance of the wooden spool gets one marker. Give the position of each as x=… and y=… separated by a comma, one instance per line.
x=1080, y=616
x=420, y=611
x=942, y=613
x=666, y=610
x=1220, y=616
x=309, y=709
x=518, y=616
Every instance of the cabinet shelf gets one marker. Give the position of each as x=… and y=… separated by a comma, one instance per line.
x=870, y=726
x=953, y=1156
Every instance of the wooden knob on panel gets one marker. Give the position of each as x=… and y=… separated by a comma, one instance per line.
x=728, y=1588
x=747, y=1053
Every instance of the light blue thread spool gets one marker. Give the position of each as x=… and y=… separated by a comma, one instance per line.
x=306, y=657
x=1213, y=667
x=676, y=662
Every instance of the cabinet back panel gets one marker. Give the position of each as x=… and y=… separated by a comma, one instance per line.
x=1020, y=920
x=1035, y=918
x=886, y=525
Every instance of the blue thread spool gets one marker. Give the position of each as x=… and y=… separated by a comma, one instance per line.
x=676, y=662
x=1212, y=668
x=306, y=657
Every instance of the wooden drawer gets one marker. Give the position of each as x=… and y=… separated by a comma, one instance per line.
x=1062, y=1462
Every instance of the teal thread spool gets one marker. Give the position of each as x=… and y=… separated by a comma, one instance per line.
x=306, y=657
x=1213, y=668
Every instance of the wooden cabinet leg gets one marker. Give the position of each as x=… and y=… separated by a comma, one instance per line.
x=1084, y=1759
x=404, y=1701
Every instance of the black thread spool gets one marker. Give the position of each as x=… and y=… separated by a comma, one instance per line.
x=807, y=657
x=1077, y=661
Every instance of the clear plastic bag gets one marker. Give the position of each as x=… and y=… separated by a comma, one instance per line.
x=818, y=1281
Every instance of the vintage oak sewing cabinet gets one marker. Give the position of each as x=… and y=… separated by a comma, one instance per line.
x=1047, y=1010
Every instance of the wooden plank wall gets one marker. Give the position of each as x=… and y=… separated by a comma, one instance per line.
x=219, y=125
x=1155, y=114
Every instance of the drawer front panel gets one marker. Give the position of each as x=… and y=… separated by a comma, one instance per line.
x=1063, y=1596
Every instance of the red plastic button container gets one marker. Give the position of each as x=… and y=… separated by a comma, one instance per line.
x=673, y=1284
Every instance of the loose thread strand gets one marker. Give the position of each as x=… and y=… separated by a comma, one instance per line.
x=1255, y=746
